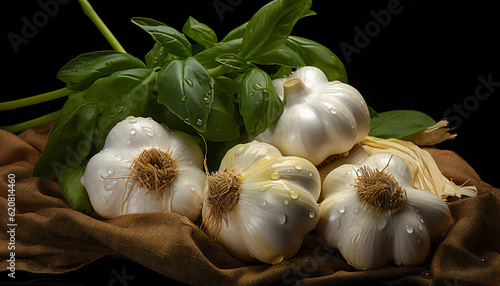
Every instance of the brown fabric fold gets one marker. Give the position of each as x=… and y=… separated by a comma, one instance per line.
x=50, y=237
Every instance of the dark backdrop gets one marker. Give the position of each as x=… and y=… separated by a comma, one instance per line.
x=431, y=56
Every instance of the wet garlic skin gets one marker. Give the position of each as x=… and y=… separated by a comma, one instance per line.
x=107, y=174
x=276, y=207
x=319, y=119
x=370, y=239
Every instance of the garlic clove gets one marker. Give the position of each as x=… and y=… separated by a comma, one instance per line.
x=187, y=192
x=247, y=155
x=310, y=76
x=411, y=243
x=427, y=210
x=107, y=177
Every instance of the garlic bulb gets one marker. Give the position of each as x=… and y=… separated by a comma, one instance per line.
x=145, y=167
x=319, y=119
x=425, y=172
x=260, y=204
x=373, y=215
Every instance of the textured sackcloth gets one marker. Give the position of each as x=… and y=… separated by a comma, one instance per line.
x=53, y=238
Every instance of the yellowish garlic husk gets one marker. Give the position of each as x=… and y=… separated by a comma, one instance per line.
x=435, y=134
x=424, y=170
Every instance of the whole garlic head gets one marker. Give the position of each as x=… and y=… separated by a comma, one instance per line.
x=261, y=204
x=373, y=215
x=320, y=118
x=145, y=167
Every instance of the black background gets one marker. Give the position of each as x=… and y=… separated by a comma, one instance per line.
x=428, y=57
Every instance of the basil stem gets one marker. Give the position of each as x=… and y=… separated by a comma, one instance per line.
x=90, y=12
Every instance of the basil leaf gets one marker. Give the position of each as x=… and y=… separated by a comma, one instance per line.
x=156, y=56
x=398, y=123
x=185, y=87
x=200, y=33
x=82, y=71
x=108, y=89
x=259, y=102
x=270, y=27
x=208, y=57
x=232, y=60
x=172, y=40
x=131, y=91
x=73, y=191
x=222, y=121
x=315, y=54
x=284, y=56
x=70, y=139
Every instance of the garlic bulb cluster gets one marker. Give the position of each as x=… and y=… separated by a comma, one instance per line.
x=320, y=118
x=261, y=204
x=144, y=167
x=374, y=216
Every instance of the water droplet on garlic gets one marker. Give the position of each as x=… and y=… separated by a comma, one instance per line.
x=111, y=185
x=311, y=213
x=132, y=121
x=133, y=131
x=275, y=175
x=119, y=157
x=129, y=140
x=286, y=201
x=409, y=228
x=355, y=238
x=111, y=171
x=297, y=167
x=148, y=130
x=282, y=218
x=342, y=209
x=277, y=259
x=294, y=194
x=381, y=224
x=337, y=222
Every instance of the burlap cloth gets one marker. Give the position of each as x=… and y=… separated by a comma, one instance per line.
x=53, y=238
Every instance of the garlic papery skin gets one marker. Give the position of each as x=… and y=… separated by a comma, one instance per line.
x=380, y=218
x=319, y=119
x=139, y=152
x=260, y=204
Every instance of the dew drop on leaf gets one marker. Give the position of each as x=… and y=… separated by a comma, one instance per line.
x=189, y=82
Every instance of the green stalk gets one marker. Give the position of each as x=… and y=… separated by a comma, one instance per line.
x=90, y=12
x=218, y=71
x=23, y=102
x=31, y=123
